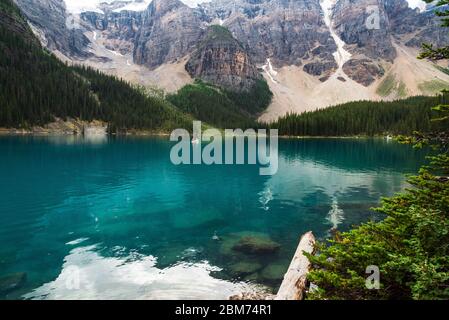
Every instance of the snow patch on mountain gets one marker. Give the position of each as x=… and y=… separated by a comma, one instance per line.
x=341, y=55
x=79, y=6
x=135, y=6
x=421, y=5
x=195, y=3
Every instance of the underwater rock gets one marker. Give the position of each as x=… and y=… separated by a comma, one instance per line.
x=12, y=282
x=244, y=268
x=256, y=245
x=274, y=271
x=232, y=240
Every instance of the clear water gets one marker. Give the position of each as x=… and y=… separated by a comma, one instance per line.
x=114, y=218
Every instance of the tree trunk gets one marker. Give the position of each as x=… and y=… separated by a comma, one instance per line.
x=295, y=280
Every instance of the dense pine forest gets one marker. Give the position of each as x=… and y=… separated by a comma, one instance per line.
x=364, y=118
x=35, y=87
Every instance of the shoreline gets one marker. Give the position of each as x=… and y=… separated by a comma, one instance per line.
x=138, y=133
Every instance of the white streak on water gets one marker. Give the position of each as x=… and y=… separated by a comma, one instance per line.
x=77, y=241
x=265, y=197
x=335, y=215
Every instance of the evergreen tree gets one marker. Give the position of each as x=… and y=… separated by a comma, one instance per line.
x=410, y=246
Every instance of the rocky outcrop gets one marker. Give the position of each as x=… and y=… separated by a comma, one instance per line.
x=320, y=68
x=170, y=30
x=363, y=71
x=222, y=60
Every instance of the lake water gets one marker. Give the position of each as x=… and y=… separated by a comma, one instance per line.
x=114, y=219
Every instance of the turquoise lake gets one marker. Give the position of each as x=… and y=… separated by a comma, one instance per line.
x=115, y=219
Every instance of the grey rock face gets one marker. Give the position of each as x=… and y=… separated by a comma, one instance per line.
x=59, y=29
x=119, y=28
x=371, y=45
x=170, y=30
x=287, y=31
x=352, y=21
x=415, y=28
x=220, y=59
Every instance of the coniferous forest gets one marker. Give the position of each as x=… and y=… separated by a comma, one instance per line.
x=221, y=108
x=401, y=117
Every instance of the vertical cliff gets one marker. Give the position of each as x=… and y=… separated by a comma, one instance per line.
x=170, y=30
x=220, y=59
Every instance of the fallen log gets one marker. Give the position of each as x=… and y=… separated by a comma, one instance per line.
x=294, y=284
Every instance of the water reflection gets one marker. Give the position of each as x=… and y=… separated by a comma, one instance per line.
x=87, y=139
x=88, y=275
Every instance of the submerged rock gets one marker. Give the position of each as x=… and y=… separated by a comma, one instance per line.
x=256, y=245
x=244, y=267
x=274, y=272
x=12, y=282
x=237, y=246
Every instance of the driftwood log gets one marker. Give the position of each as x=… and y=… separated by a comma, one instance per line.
x=294, y=284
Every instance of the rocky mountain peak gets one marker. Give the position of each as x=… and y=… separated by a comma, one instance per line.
x=160, y=7
x=222, y=60
x=170, y=30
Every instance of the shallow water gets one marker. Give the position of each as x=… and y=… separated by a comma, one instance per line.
x=113, y=218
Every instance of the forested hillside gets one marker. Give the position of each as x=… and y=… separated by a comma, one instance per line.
x=364, y=118
x=35, y=87
x=220, y=107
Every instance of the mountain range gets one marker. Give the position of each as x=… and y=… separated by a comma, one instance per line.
x=312, y=53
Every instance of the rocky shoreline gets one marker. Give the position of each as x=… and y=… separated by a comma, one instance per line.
x=74, y=127
x=61, y=127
